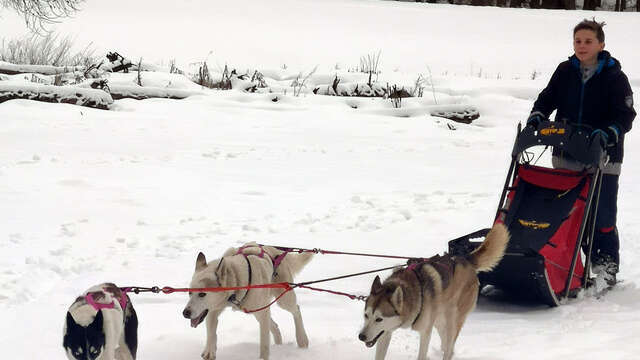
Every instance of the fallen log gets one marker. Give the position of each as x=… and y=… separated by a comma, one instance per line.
x=146, y=92
x=13, y=69
x=351, y=89
x=462, y=113
x=56, y=94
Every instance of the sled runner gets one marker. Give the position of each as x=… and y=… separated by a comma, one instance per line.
x=550, y=214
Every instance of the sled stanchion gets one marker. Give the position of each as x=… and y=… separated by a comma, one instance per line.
x=589, y=205
x=514, y=157
x=591, y=230
x=505, y=188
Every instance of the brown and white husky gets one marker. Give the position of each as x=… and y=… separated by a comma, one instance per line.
x=439, y=291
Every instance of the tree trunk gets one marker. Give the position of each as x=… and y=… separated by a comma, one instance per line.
x=56, y=94
x=461, y=113
x=13, y=69
x=570, y=4
x=589, y=5
x=553, y=4
x=136, y=92
x=516, y=4
x=617, y=6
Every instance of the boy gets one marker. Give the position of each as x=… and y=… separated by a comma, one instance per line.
x=591, y=89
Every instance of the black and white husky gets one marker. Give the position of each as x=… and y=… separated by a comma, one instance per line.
x=101, y=325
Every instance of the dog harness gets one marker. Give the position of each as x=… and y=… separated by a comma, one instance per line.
x=275, y=261
x=413, y=267
x=99, y=306
x=444, y=265
x=233, y=299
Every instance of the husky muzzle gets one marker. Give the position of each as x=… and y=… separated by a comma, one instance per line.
x=369, y=344
x=198, y=319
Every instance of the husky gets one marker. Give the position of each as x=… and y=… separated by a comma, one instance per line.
x=439, y=291
x=101, y=325
x=249, y=264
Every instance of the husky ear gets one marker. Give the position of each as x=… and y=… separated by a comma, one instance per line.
x=376, y=286
x=397, y=298
x=71, y=332
x=98, y=321
x=70, y=321
x=201, y=261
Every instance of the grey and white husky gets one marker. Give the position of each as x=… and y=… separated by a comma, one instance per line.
x=101, y=325
x=440, y=292
x=249, y=264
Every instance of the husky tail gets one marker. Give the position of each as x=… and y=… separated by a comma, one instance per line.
x=490, y=252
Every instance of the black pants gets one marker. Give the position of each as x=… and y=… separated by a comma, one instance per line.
x=606, y=241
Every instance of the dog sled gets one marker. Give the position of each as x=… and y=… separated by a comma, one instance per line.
x=550, y=214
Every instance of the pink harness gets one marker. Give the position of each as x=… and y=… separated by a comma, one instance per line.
x=276, y=262
x=99, y=306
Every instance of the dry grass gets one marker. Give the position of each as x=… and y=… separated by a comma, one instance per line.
x=49, y=49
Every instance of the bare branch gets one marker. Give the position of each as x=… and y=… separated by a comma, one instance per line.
x=38, y=13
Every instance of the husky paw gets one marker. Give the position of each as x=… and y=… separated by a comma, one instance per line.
x=123, y=354
x=277, y=339
x=208, y=355
x=303, y=341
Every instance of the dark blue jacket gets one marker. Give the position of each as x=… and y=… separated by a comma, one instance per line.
x=604, y=100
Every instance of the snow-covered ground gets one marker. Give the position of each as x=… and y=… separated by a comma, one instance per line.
x=132, y=194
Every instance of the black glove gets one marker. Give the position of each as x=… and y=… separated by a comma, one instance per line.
x=613, y=132
x=604, y=137
x=535, y=119
x=608, y=136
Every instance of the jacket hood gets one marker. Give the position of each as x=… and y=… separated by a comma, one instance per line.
x=605, y=61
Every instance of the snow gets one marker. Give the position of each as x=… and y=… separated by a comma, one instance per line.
x=131, y=195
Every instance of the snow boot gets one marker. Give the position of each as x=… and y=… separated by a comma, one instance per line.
x=604, y=266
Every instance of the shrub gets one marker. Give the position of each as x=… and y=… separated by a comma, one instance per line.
x=47, y=49
x=369, y=65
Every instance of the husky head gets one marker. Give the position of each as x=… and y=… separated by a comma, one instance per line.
x=205, y=275
x=84, y=342
x=382, y=312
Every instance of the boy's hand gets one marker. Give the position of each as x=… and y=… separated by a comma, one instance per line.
x=604, y=137
x=608, y=137
x=613, y=133
x=535, y=119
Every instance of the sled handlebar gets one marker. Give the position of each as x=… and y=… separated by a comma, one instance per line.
x=574, y=140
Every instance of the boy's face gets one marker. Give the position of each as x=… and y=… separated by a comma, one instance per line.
x=587, y=46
